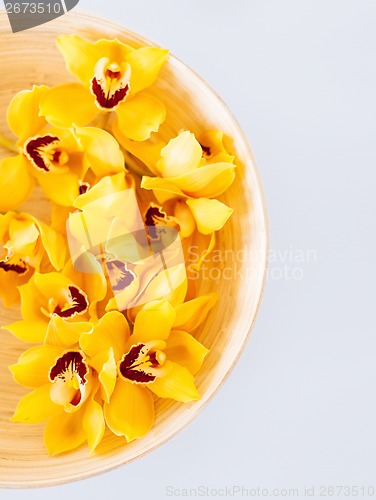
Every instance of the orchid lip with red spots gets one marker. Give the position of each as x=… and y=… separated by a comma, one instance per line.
x=110, y=85
x=44, y=153
x=143, y=362
x=71, y=371
x=77, y=303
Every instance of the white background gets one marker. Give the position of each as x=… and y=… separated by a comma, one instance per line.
x=300, y=407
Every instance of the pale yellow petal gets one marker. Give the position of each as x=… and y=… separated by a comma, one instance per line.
x=93, y=424
x=16, y=182
x=146, y=64
x=153, y=322
x=181, y=155
x=33, y=366
x=36, y=406
x=130, y=412
x=185, y=350
x=163, y=185
x=194, y=312
x=140, y=116
x=210, y=215
x=178, y=384
x=68, y=104
x=23, y=112
x=105, y=187
x=102, y=150
x=64, y=432
x=208, y=181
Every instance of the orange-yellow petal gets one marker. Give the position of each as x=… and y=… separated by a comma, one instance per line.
x=178, y=384
x=36, y=406
x=23, y=112
x=33, y=366
x=111, y=331
x=146, y=64
x=61, y=332
x=64, y=432
x=153, y=322
x=29, y=330
x=62, y=189
x=16, y=182
x=185, y=350
x=140, y=116
x=130, y=412
x=67, y=105
x=53, y=243
x=80, y=56
x=105, y=364
x=194, y=312
x=93, y=423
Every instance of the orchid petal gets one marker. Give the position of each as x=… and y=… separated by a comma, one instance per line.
x=181, y=155
x=64, y=432
x=153, y=322
x=193, y=312
x=16, y=183
x=32, y=330
x=130, y=412
x=210, y=215
x=102, y=150
x=68, y=104
x=93, y=424
x=111, y=331
x=36, y=406
x=185, y=350
x=141, y=115
x=25, y=104
x=33, y=366
x=80, y=56
x=146, y=63
x=178, y=384
x=61, y=332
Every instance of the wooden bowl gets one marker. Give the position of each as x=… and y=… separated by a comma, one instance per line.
x=30, y=57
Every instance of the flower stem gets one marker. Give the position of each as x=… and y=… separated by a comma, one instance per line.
x=8, y=144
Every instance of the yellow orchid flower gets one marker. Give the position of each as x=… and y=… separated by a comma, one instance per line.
x=183, y=171
x=154, y=360
x=109, y=229
x=114, y=77
x=27, y=245
x=91, y=187
x=56, y=306
x=57, y=158
x=64, y=386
